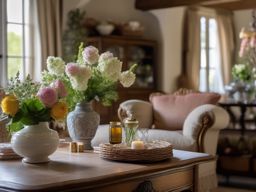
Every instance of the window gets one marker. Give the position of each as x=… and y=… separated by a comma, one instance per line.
x=210, y=72
x=15, y=28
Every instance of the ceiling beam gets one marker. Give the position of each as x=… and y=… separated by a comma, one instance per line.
x=221, y=4
x=158, y=4
x=237, y=5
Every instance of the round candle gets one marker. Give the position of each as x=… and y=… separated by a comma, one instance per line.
x=137, y=145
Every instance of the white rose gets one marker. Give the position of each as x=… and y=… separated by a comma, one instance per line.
x=111, y=68
x=79, y=84
x=105, y=56
x=55, y=65
x=127, y=78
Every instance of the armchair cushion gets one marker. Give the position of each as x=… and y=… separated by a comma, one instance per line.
x=142, y=111
x=170, y=111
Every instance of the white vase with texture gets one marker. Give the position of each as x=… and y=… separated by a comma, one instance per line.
x=35, y=143
x=82, y=123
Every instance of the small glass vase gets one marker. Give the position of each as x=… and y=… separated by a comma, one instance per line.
x=130, y=128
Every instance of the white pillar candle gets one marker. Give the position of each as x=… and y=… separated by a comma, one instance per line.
x=137, y=145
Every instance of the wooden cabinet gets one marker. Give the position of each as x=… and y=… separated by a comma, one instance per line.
x=129, y=51
x=237, y=144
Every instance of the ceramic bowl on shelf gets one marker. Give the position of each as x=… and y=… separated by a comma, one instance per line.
x=105, y=28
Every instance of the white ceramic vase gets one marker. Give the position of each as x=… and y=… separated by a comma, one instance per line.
x=35, y=143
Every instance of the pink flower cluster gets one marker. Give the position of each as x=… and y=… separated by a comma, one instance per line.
x=90, y=55
x=248, y=41
x=49, y=95
x=79, y=75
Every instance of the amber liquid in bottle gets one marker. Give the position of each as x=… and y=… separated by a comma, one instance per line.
x=115, y=133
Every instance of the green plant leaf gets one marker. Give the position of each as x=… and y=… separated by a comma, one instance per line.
x=17, y=117
x=14, y=127
x=34, y=105
x=28, y=120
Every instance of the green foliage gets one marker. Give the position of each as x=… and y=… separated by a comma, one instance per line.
x=80, y=54
x=31, y=112
x=73, y=35
x=22, y=89
x=14, y=42
x=31, y=109
x=101, y=89
x=243, y=72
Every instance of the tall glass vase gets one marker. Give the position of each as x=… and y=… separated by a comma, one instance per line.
x=82, y=123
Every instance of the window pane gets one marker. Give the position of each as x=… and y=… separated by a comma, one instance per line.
x=203, y=58
x=14, y=41
x=203, y=81
x=14, y=11
x=27, y=13
x=203, y=32
x=213, y=58
x=212, y=33
x=13, y=66
x=213, y=81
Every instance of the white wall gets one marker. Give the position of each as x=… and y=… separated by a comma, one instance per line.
x=119, y=11
x=163, y=25
x=170, y=52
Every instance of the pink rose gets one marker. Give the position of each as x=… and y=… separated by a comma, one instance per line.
x=48, y=96
x=243, y=46
x=72, y=69
x=253, y=42
x=60, y=87
x=91, y=55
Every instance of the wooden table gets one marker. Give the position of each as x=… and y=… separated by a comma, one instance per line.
x=88, y=172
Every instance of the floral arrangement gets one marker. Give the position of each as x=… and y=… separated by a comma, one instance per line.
x=28, y=103
x=244, y=72
x=247, y=50
x=92, y=76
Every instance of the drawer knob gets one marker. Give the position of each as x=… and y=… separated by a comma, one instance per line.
x=145, y=186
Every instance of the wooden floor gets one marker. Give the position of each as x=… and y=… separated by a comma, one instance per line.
x=227, y=189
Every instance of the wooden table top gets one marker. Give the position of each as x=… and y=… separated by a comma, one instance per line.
x=66, y=170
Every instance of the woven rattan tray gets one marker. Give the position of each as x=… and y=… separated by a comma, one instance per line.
x=154, y=151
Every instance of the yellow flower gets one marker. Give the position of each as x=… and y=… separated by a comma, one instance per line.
x=10, y=105
x=59, y=110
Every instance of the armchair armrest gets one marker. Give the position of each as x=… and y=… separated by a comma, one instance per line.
x=142, y=110
x=203, y=125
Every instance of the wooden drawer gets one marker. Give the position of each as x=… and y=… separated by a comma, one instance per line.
x=254, y=165
x=235, y=163
x=171, y=181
